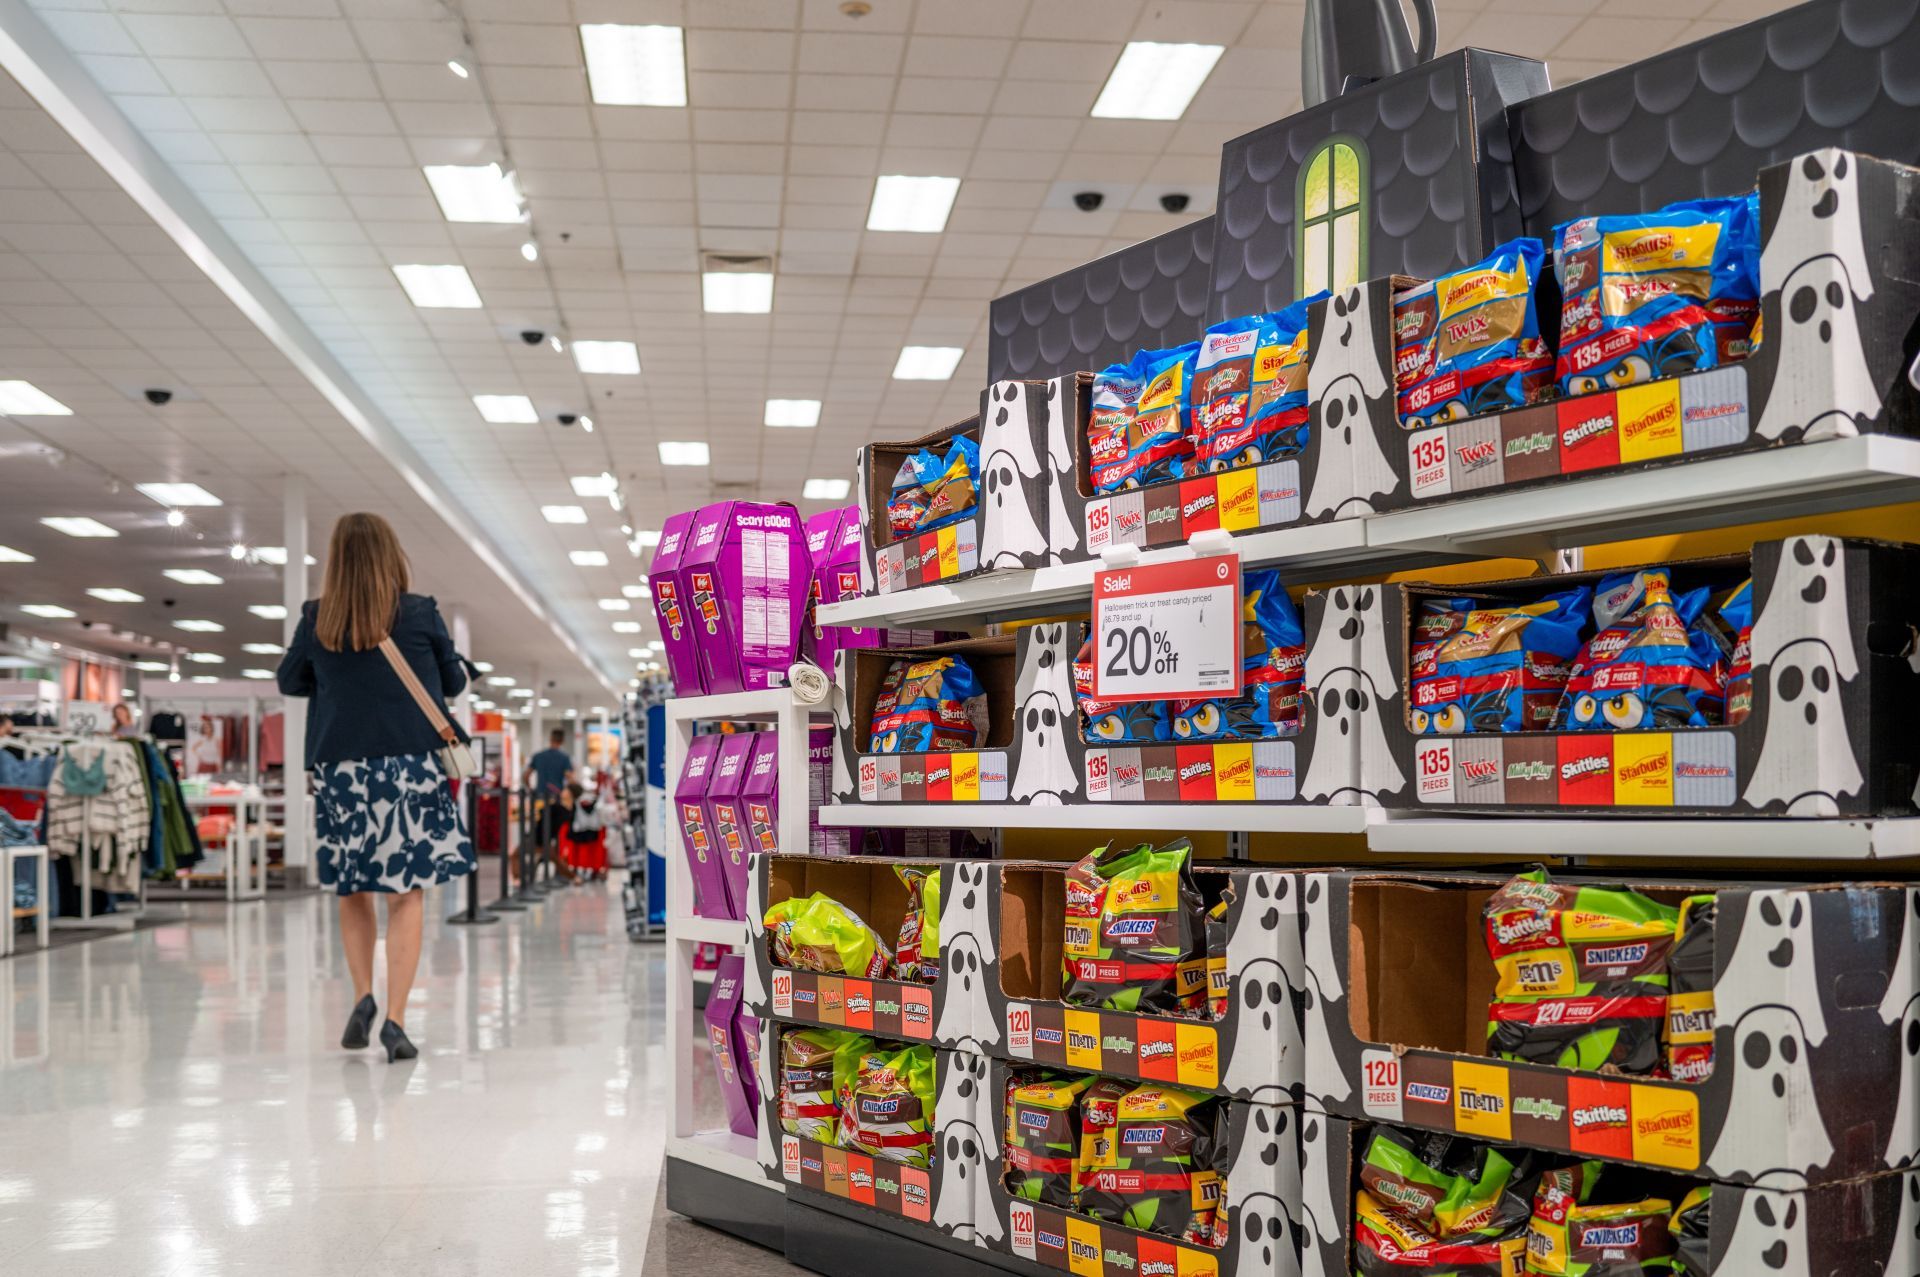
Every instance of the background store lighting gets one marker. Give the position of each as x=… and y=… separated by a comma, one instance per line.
x=647, y=538
x=52, y=611
x=262, y=649
x=521, y=693
x=635, y=591
x=485, y=667
x=825, y=489
x=191, y=576
x=635, y=65
x=655, y=645
x=178, y=494
x=277, y=555
x=588, y=558
x=24, y=399
x=206, y=658
x=204, y=678
x=626, y=627
x=506, y=410
x=563, y=514
x=152, y=667
x=691, y=452
x=501, y=680
x=195, y=626
x=269, y=611
x=911, y=203
x=802, y=413
x=114, y=594
x=256, y=673
x=927, y=363
x=10, y=555
x=736, y=292
x=1153, y=81
x=475, y=193
x=614, y=358
x=237, y=552
x=175, y=518
x=530, y=251
x=615, y=605
x=637, y=653
x=79, y=526
x=594, y=485
x=439, y=287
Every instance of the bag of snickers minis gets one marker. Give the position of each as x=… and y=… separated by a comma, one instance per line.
x=1162, y=1171
x=1690, y=993
x=1441, y=1206
x=818, y=933
x=1043, y=1145
x=1136, y=931
x=889, y=1111
x=1581, y=974
x=1627, y=1240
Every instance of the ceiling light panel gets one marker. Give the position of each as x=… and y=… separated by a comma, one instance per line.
x=439, y=287
x=801, y=413
x=191, y=576
x=200, y=627
x=256, y=673
x=269, y=611
x=647, y=538
x=825, y=489
x=10, y=555
x=563, y=514
x=736, y=293
x=506, y=410
x=1153, y=81
x=475, y=193
x=500, y=680
x=79, y=525
x=179, y=494
x=911, y=203
x=206, y=658
x=594, y=485
x=588, y=558
x=615, y=605
x=613, y=358
x=690, y=452
x=53, y=612
x=24, y=399
x=636, y=591
x=626, y=627
x=114, y=594
x=262, y=649
x=927, y=363
x=635, y=65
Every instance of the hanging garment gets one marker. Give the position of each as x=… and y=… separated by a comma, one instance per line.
x=114, y=822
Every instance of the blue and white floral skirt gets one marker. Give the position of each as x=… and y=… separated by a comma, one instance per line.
x=388, y=824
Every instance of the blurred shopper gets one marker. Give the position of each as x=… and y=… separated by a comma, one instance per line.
x=549, y=772
x=384, y=811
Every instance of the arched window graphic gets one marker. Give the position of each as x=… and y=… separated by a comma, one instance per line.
x=1330, y=217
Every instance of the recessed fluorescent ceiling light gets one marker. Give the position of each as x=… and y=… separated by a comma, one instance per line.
x=203, y=678
x=439, y=287
x=152, y=667
x=736, y=292
x=615, y=605
x=521, y=693
x=24, y=399
x=178, y=494
x=793, y=412
x=634, y=65
x=911, y=203
x=269, y=611
x=647, y=538
x=634, y=591
x=824, y=489
x=502, y=680
x=114, y=594
x=262, y=649
x=191, y=576
x=277, y=555
x=485, y=667
x=563, y=513
x=79, y=526
x=256, y=673
x=626, y=627
x=200, y=627
x=475, y=193
x=588, y=558
x=1154, y=81
x=618, y=358
x=927, y=363
x=10, y=555
x=506, y=410
x=48, y=610
x=206, y=658
x=686, y=453
x=594, y=485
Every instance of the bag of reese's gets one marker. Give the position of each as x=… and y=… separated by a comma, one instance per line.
x=1690, y=993
x=1581, y=974
x=809, y=1098
x=1451, y=1188
x=1692, y=1234
x=1649, y=664
x=1649, y=295
x=1159, y=445
x=818, y=933
x=1629, y=1240
x=1502, y=670
x=1484, y=352
x=938, y=705
x=952, y=485
x=1163, y=1175
x=1135, y=931
x=917, y=955
x=1273, y=661
x=1110, y=722
x=889, y=1112
x=1044, y=1137
x=1114, y=401
x=1737, y=615
x=1560, y=1191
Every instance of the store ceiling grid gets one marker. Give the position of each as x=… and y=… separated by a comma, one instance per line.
x=304, y=136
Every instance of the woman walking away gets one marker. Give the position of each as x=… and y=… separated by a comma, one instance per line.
x=385, y=816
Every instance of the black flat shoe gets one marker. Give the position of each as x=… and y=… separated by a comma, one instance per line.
x=394, y=1038
x=359, y=1024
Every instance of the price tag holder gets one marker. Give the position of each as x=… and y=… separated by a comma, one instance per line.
x=1168, y=631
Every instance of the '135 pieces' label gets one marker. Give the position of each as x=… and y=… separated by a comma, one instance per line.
x=1168, y=630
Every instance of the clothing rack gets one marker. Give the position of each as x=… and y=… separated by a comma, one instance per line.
x=88, y=920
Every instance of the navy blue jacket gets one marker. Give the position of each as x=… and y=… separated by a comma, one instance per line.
x=360, y=707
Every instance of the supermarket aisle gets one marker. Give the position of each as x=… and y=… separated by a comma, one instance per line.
x=191, y=1111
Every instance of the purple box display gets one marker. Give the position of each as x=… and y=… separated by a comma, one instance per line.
x=760, y=795
x=744, y=576
x=729, y=811
x=731, y=1061
x=664, y=580
x=696, y=829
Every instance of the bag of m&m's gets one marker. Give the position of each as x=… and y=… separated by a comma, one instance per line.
x=1648, y=295
x=1471, y=343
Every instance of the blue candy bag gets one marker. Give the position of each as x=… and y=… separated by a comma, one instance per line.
x=1115, y=401
x=927, y=706
x=1650, y=665
x=1470, y=342
x=1115, y=722
x=951, y=483
x=1649, y=295
x=1500, y=670
x=1273, y=664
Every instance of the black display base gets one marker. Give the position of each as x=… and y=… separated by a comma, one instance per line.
x=845, y=1239
x=751, y=1212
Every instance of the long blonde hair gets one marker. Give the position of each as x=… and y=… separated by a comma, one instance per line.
x=367, y=572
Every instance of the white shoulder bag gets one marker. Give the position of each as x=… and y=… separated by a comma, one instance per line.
x=456, y=758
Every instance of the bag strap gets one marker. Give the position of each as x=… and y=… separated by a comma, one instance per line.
x=435, y=718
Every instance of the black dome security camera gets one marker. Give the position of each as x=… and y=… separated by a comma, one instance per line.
x=532, y=336
x=1175, y=201
x=166, y=602
x=1088, y=201
x=567, y=418
x=159, y=396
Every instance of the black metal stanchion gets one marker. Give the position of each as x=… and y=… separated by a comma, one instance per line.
x=530, y=892
x=473, y=915
x=509, y=848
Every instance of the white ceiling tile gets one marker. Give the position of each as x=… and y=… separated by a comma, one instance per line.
x=185, y=36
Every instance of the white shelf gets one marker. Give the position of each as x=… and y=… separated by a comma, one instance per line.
x=727, y=931
x=1225, y=817
x=1673, y=838
x=762, y=706
x=721, y=1151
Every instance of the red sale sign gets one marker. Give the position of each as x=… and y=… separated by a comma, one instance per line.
x=1168, y=631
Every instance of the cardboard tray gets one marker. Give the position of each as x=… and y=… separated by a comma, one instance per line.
x=1816, y=1073
x=1829, y=734
x=1254, y=1051
x=1860, y=1226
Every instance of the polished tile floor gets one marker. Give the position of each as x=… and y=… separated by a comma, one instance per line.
x=175, y=1102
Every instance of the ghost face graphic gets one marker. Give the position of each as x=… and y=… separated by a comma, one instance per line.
x=1011, y=533
x=965, y=935
x=1808, y=599
x=1820, y=213
x=1044, y=769
x=1824, y=389
x=1263, y=1179
x=1806, y=762
x=1768, y=1234
x=1773, y=961
x=1773, y=1129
